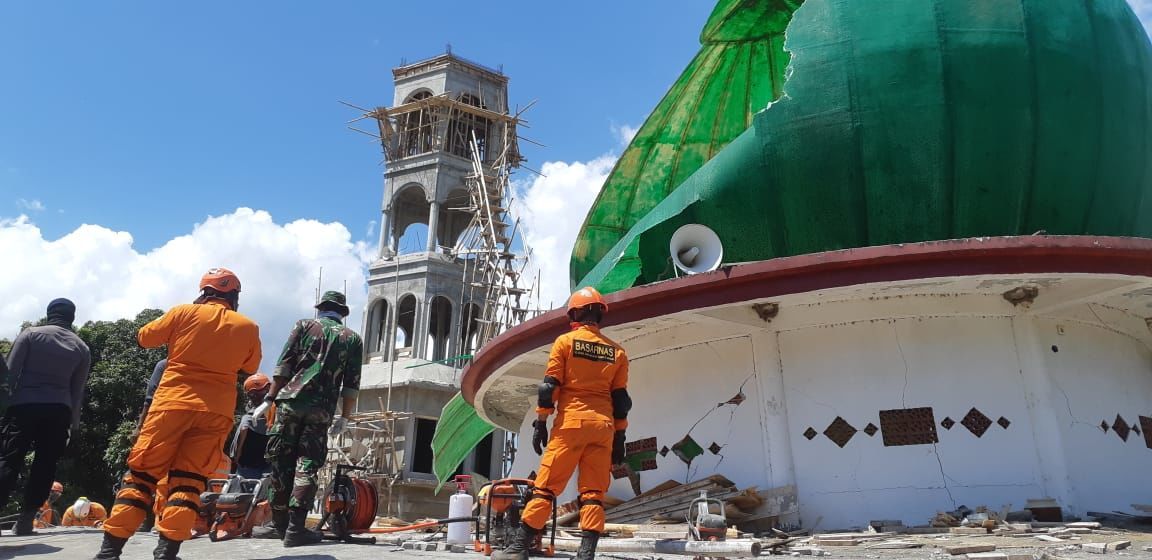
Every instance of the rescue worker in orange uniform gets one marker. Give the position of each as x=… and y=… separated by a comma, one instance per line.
x=47, y=516
x=84, y=513
x=211, y=348
x=586, y=383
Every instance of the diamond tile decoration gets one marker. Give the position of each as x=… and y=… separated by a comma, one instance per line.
x=687, y=449
x=714, y=448
x=664, y=451
x=1003, y=422
x=1121, y=428
x=810, y=433
x=839, y=431
x=976, y=422
x=1104, y=425
x=1146, y=425
x=640, y=446
x=908, y=426
x=947, y=423
x=871, y=429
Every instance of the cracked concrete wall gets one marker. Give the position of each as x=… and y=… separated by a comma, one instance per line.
x=949, y=364
x=1038, y=412
x=1095, y=376
x=677, y=394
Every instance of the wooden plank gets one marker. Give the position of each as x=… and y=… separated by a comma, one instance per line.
x=693, y=487
x=676, y=506
x=970, y=548
x=680, y=495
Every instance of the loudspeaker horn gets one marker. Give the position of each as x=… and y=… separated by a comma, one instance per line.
x=696, y=248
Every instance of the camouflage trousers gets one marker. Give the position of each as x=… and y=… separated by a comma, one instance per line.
x=297, y=449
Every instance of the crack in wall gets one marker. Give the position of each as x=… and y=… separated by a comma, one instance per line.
x=912, y=487
x=692, y=470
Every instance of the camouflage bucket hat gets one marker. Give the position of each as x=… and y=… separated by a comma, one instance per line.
x=335, y=298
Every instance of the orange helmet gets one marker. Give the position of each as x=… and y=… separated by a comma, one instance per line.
x=585, y=297
x=220, y=279
x=256, y=382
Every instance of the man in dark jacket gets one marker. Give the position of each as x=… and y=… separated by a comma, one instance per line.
x=48, y=369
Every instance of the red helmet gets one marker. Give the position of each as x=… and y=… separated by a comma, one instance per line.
x=585, y=297
x=220, y=279
x=256, y=382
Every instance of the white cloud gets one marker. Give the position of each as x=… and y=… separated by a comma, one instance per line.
x=108, y=279
x=552, y=209
x=624, y=134
x=32, y=205
x=1143, y=10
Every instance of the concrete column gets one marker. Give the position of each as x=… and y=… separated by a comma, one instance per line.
x=1042, y=399
x=454, y=331
x=420, y=329
x=433, y=225
x=780, y=466
x=390, y=325
x=385, y=233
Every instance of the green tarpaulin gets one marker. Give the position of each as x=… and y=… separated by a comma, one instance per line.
x=737, y=72
x=457, y=433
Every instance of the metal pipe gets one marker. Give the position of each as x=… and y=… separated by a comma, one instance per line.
x=731, y=548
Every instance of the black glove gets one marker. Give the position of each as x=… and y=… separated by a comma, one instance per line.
x=539, y=436
x=618, y=447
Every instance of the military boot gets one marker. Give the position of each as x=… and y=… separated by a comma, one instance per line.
x=166, y=549
x=518, y=548
x=276, y=530
x=24, y=523
x=110, y=548
x=588, y=541
x=297, y=533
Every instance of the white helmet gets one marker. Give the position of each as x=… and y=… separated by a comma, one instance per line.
x=81, y=508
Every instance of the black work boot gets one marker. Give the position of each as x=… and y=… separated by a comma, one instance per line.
x=166, y=549
x=518, y=549
x=276, y=529
x=110, y=548
x=588, y=540
x=297, y=533
x=24, y=524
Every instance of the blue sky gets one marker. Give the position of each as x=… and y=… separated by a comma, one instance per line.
x=148, y=117
x=142, y=143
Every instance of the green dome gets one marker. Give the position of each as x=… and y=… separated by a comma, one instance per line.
x=737, y=72
x=924, y=120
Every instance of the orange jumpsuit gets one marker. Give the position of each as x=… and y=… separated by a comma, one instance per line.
x=589, y=366
x=47, y=517
x=96, y=515
x=190, y=417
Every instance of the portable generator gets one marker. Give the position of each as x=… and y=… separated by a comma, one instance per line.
x=500, y=503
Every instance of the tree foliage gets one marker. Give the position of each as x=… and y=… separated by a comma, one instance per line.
x=115, y=394
x=95, y=459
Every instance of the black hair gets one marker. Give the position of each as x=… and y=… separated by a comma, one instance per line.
x=231, y=298
x=591, y=313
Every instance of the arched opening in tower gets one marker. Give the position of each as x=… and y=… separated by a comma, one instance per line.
x=455, y=216
x=410, y=211
x=439, y=328
x=470, y=328
x=378, y=321
x=463, y=125
x=405, y=323
x=417, y=128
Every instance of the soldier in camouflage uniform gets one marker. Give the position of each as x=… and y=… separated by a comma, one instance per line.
x=319, y=365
